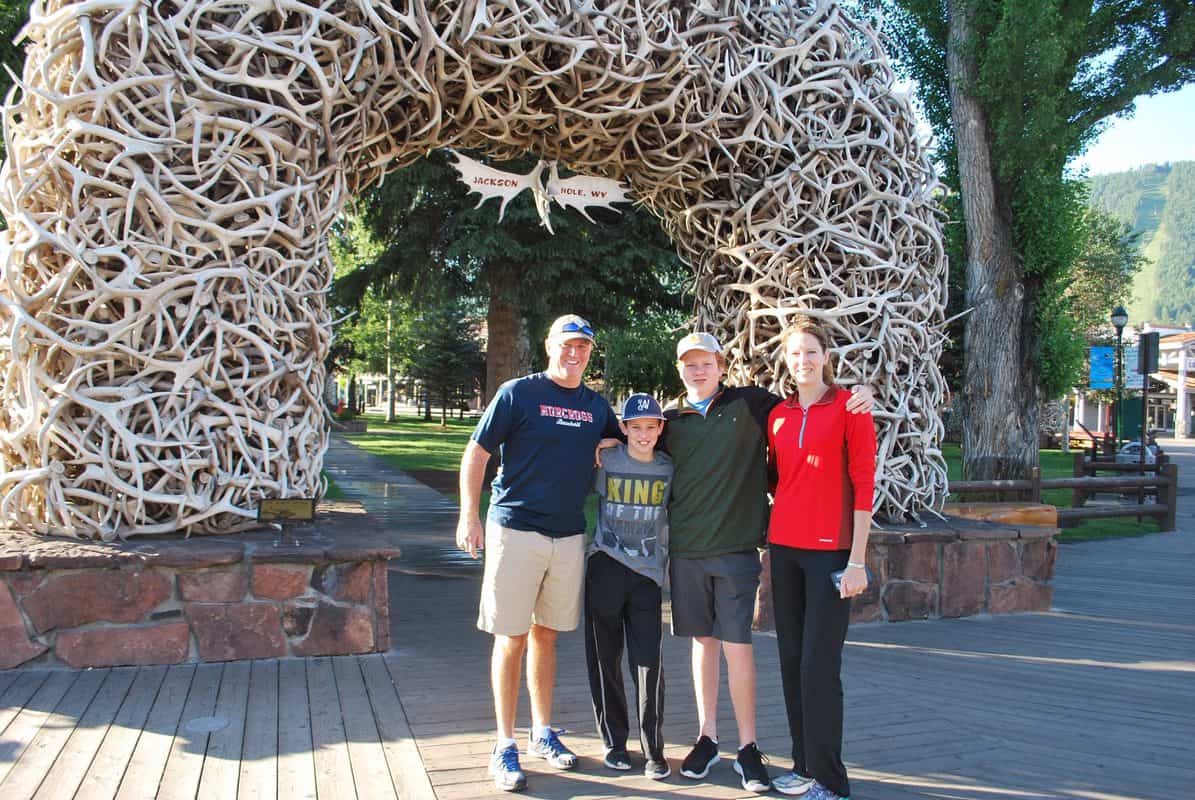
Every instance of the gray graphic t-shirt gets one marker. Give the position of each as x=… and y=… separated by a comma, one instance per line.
x=632, y=524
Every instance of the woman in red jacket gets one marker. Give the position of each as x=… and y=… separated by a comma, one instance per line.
x=824, y=461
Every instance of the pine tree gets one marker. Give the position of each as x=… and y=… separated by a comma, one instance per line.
x=445, y=355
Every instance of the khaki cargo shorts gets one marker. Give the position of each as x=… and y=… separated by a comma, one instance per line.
x=530, y=577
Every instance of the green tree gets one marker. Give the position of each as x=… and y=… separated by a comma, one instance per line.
x=1014, y=89
x=1139, y=198
x=438, y=243
x=641, y=357
x=373, y=334
x=445, y=355
x=13, y=16
x=1104, y=273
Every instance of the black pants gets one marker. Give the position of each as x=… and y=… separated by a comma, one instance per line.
x=811, y=623
x=620, y=602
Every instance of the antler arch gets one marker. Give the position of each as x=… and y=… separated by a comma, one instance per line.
x=174, y=168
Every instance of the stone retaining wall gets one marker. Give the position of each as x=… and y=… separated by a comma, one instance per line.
x=320, y=589
x=951, y=568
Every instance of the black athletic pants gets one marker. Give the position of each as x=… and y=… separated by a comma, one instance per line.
x=811, y=623
x=620, y=602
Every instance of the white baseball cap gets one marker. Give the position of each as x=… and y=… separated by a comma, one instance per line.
x=570, y=326
x=698, y=341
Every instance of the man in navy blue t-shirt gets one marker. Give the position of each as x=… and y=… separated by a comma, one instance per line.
x=546, y=428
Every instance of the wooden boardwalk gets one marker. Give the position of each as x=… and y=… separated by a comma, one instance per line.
x=1059, y=705
x=292, y=728
x=1095, y=700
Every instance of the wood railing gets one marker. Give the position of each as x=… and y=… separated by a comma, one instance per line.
x=1162, y=485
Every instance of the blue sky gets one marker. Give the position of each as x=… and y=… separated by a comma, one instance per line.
x=1162, y=129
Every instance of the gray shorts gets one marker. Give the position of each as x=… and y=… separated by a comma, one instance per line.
x=715, y=596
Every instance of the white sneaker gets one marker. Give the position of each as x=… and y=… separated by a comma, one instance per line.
x=504, y=767
x=792, y=783
x=552, y=750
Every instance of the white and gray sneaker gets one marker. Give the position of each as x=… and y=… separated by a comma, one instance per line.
x=792, y=783
x=504, y=767
x=819, y=792
x=657, y=768
x=552, y=750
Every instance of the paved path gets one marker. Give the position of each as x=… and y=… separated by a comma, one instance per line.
x=1095, y=700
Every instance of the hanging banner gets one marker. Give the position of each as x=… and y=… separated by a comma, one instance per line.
x=579, y=192
x=1102, y=368
x=1132, y=376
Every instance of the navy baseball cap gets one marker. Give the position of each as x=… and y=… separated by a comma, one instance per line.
x=641, y=406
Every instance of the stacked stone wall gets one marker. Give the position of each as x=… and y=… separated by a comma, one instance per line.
x=320, y=589
x=952, y=568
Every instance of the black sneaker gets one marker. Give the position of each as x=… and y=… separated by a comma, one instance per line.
x=657, y=768
x=618, y=758
x=703, y=756
x=750, y=766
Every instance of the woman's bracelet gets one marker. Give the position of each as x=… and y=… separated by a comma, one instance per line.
x=855, y=564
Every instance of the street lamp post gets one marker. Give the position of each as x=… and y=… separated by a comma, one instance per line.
x=1120, y=318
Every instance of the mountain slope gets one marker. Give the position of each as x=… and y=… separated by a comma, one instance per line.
x=1158, y=201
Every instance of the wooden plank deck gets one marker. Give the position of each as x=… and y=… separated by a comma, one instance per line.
x=211, y=731
x=1095, y=700
x=1032, y=706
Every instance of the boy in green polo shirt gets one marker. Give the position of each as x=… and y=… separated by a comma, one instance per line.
x=718, y=518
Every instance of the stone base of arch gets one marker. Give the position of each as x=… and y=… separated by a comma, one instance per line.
x=318, y=589
x=956, y=567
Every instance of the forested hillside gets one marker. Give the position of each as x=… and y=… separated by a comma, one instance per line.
x=1159, y=202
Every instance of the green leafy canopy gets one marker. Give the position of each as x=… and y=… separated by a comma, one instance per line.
x=1050, y=73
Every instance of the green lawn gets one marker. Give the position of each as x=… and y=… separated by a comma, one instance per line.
x=411, y=444
x=334, y=492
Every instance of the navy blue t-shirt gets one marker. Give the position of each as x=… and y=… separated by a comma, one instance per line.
x=545, y=435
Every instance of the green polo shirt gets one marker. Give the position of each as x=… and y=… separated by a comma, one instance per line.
x=719, y=487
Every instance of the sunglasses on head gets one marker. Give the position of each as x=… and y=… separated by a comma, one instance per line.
x=576, y=327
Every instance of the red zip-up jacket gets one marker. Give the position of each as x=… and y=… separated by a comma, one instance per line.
x=824, y=460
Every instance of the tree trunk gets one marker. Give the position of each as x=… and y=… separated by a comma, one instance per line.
x=390, y=361
x=1000, y=379
x=507, y=351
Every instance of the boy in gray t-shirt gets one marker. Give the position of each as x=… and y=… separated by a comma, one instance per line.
x=623, y=580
